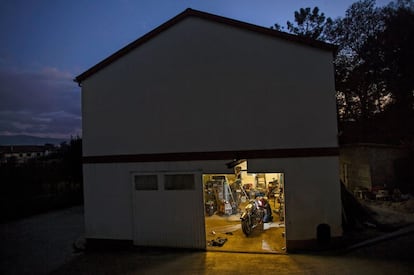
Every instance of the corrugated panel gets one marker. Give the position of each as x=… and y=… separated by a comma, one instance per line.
x=170, y=218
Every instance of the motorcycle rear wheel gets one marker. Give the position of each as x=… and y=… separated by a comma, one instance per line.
x=246, y=227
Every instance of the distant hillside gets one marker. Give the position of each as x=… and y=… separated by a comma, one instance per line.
x=28, y=140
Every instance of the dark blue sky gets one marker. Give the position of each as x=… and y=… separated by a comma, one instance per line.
x=46, y=43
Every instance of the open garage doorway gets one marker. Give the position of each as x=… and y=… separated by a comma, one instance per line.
x=229, y=196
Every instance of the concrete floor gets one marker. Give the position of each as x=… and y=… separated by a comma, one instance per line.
x=266, y=239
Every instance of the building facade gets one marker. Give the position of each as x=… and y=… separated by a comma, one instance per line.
x=191, y=96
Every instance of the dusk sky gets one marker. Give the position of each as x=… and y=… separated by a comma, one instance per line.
x=46, y=43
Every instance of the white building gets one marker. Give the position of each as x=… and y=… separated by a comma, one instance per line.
x=191, y=96
x=19, y=154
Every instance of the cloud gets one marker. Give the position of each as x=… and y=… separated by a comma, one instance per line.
x=41, y=103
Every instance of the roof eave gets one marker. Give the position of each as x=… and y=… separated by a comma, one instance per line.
x=220, y=19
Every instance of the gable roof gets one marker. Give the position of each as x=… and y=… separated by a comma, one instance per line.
x=207, y=16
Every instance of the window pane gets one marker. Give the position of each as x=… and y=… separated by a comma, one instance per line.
x=146, y=182
x=179, y=182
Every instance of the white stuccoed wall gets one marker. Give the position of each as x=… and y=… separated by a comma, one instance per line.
x=198, y=85
x=108, y=196
x=312, y=194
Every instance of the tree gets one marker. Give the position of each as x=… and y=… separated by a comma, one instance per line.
x=374, y=63
x=359, y=93
x=395, y=53
x=72, y=159
x=358, y=81
x=308, y=22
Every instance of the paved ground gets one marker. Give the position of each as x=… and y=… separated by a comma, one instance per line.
x=155, y=262
x=43, y=245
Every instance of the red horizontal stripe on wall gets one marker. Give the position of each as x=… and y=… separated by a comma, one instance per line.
x=217, y=155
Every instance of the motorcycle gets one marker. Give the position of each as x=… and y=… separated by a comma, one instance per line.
x=255, y=213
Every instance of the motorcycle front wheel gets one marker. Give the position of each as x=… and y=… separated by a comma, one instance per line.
x=246, y=227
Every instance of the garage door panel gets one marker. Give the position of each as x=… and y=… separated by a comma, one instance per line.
x=172, y=215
